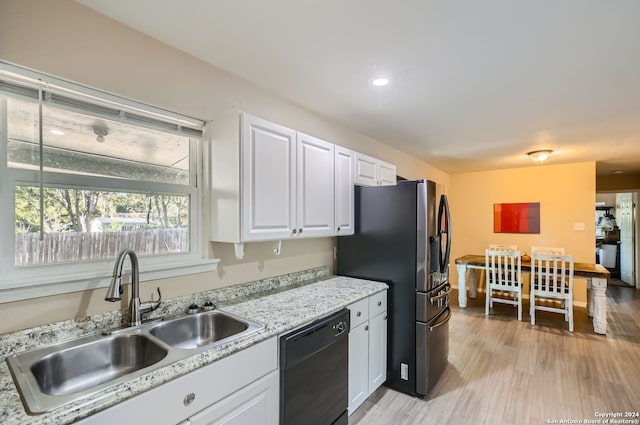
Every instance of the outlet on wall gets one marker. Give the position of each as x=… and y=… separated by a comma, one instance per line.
x=578, y=226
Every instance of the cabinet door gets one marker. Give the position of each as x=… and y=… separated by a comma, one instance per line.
x=358, y=365
x=189, y=394
x=377, y=352
x=344, y=191
x=257, y=403
x=315, y=187
x=365, y=170
x=386, y=174
x=268, y=180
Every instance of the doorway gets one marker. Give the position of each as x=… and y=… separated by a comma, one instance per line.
x=617, y=235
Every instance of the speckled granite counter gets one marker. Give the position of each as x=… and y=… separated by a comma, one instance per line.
x=280, y=303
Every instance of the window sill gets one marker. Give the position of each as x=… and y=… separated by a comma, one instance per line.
x=44, y=286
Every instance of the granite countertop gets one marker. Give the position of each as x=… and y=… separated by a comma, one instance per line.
x=281, y=304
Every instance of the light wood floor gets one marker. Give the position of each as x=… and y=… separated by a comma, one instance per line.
x=502, y=371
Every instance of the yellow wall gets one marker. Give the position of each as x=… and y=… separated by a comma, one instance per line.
x=67, y=40
x=566, y=194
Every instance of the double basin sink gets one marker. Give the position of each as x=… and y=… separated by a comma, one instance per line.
x=55, y=375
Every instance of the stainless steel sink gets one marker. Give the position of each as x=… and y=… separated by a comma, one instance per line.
x=52, y=376
x=85, y=366
x=198, y=330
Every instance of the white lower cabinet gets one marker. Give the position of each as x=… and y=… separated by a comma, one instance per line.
x=358, y=365
x=377, y=356
x=367, y=348
x=234, y=390
x=255, y=404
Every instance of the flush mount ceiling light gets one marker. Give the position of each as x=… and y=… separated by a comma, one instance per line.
x=539, y=156
x=380, y=82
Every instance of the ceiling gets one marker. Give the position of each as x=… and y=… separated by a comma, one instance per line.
x=474, y=85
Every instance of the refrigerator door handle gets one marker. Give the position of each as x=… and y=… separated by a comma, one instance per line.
x=444, y=322
x=442, y=295
x=443, y=212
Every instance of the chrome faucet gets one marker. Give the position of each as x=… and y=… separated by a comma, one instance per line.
x=114, y=293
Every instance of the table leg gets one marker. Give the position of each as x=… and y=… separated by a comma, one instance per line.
x=462, y=285
x=597, y=300
x=473, y=282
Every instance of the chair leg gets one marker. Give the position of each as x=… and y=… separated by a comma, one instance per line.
x=532, y=307
x=487, y=301
x=569, y=304
x=519, y=294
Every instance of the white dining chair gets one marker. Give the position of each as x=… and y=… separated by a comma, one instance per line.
x=547, y=250
x=552, y=279
x=498, y=247
x=504, y=276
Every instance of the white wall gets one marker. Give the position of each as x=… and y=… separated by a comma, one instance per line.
x=67, y=40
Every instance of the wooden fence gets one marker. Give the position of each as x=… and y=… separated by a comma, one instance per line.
x=78, y=246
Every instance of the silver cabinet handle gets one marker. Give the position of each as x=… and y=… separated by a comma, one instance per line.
x=295, y=231
x=366, y=328
x=300, y=231
x=379, y=303
x=385, y=317
x=188, y=399
x=338, y=228
x=358, y=314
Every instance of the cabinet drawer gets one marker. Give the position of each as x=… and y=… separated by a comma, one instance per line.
x=359, y=312
x=377, y=303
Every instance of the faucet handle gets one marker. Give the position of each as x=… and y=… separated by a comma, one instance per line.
x=159, y=296
x=155, y=304
x=208, y=306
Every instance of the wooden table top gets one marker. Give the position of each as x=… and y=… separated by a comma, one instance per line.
x=579, y=269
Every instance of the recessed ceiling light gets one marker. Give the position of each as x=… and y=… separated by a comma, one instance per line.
x=617, y=172
x=380, y=82
x=57, y=132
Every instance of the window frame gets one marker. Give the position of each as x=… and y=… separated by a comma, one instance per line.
x=23, y=282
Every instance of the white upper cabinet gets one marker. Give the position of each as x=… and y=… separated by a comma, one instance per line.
x=268, y=180
x=275, y=183
x=315, y=187
x=386, y=174
x=373, y=172
x=344, y=173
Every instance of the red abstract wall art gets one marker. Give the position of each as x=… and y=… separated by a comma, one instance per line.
x=516, y=218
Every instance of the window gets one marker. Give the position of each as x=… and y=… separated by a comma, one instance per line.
x=88, y=174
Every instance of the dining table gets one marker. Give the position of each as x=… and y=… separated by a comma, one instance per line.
x=596, y=276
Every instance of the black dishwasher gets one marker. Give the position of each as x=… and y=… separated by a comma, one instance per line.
x=314, y=372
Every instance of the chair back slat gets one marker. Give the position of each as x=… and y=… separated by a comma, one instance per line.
x=547, y=250
x=552, y=273
x=503, y=267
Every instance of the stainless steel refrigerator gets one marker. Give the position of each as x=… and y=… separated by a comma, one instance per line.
x=403, y=238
